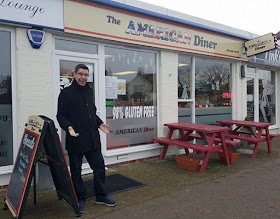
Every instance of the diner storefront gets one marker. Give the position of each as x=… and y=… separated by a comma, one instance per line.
x=146, y=67
x=151, y=71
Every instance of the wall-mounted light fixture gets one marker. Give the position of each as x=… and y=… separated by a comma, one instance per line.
x=242, y=71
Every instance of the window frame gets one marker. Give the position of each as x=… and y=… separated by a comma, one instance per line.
x=193, y=82
x=141, y=148
x=9, y=168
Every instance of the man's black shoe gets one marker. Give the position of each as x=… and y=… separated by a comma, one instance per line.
x=106, y=201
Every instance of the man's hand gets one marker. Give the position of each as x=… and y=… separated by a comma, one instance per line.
x=104, y=128
x=72, y=132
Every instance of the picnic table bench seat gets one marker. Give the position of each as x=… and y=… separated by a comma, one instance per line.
x=245, y=138
x=229, y=142
x=272, y=136
x=186, y=145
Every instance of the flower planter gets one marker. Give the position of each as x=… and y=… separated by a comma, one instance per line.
x=233, y=156
x=187, y=163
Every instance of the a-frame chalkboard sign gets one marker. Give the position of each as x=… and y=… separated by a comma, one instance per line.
x=39, y=133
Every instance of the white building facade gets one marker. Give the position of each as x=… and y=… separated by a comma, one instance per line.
x=148, y=66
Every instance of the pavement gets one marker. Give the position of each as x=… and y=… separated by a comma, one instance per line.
x=247, y=194
x=249, y=188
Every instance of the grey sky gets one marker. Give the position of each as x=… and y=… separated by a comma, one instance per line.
x=256, y=16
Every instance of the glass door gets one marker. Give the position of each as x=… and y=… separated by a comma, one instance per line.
x=261, y=96
x=64, y=75
x=250, y=99
x=252, y=95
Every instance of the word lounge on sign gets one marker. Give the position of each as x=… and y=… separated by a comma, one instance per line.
x=30, y=8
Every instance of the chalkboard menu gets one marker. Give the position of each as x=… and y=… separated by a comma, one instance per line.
x=23, y=167
x=39, y=132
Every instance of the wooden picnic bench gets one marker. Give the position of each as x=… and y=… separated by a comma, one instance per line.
x=213, y=136
x=255, y=132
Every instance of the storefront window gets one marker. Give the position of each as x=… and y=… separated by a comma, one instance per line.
x=266, y=96
x=212, y=91
x=130, y=97
x=184, y=89
x=73, y=46
x=184, y=77
x=6, y=123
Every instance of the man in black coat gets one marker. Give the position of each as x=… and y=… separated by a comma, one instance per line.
x=76, y=115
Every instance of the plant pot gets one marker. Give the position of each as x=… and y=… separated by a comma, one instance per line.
x=187, y=163
x=233, y=156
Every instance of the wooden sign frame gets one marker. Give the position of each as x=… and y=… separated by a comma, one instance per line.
x=40, y=132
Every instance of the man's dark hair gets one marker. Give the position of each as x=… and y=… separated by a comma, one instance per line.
x=81, y=66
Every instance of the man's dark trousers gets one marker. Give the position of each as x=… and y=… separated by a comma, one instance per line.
x=96, y=162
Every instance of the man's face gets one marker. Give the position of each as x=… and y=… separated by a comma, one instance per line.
x=81, y=76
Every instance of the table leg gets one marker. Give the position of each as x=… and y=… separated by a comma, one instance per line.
x=187, y=151
x=268, y=140
x=260, y=131
x=163, y=152
x=205, y=162
x=224, y=147
x=255, y=150
x=165, y=146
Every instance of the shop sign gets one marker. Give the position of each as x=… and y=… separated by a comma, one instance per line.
x=47, y=14
x=271, y=58
x=261, y=44
x=114, y=24
x=269, y=110
x=129, y=112
x=226, y=95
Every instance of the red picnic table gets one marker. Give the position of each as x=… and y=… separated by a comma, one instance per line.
x=255, y=132
x=213, y=136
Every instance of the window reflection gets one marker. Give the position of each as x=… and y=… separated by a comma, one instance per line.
x=73, y=46
x=212, y=91
x=266, y=96
x=67, y=69
x=6, y=124
x=130, y=97
x=184, y=77
x=212, y=88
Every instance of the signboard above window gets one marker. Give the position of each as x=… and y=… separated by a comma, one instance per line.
x=261, y=44
x=95, y=20
x=44, y=14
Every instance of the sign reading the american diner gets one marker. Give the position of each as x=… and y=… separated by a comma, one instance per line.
x=109, y=23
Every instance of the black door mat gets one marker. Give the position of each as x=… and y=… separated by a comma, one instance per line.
x=114, y=183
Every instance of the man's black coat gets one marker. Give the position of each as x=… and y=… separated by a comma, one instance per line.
x=76, y=108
